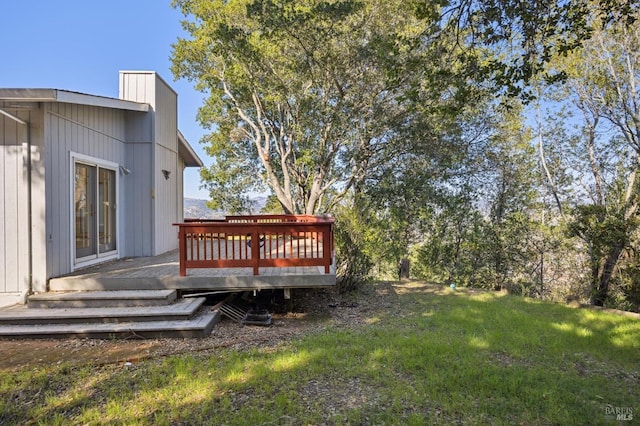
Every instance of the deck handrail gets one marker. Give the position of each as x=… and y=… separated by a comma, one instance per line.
x=282, y=241
x=277, y=218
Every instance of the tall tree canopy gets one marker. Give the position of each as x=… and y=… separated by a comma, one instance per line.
x=305, y=97
x=524, y=36
x=602, y=85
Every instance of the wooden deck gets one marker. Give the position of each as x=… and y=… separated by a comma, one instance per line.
x=232, y=254
x=163, y=272
x=259, y=241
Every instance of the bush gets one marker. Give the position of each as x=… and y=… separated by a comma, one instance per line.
x=353, y=264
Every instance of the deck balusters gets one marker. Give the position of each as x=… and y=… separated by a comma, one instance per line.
x=256, y=241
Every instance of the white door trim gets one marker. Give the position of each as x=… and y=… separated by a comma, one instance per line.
x=77, y=263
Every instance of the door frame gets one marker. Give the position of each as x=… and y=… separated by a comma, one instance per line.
x=82, y=262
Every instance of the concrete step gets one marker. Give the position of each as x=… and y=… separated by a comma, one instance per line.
x=101, y=299
x=200, y=325
x=183, y=309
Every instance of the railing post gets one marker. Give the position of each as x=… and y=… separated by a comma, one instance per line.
x=327, y=247
x=183, y=250
x=255, y=249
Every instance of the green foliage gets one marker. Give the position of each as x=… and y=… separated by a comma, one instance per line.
x=600, y=229
x=465, y=214
x=606, y=233
x=401, y=102
x=272, y=206
x=628, y=283
x=449, y=239
x=305, y=97
x=464, y=248
x=595, y=164
x=523, y=38
x=353, y=264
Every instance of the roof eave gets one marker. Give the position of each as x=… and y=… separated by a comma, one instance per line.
x=189, y=156
x=55, y=95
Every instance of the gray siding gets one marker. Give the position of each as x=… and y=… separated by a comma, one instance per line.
x=13, y=189
x=39, y=207
x=92, y=131
x=180, y=177
x=138, y=190
x=14, y=210
x=166, y=201
x=145, y=86
x=166, y=159
x=138, y=185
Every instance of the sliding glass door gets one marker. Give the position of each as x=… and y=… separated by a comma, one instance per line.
x=107, y=214
x=95, y=211
x=85, y=202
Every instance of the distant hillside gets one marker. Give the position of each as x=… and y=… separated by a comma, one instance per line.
x=197, y=208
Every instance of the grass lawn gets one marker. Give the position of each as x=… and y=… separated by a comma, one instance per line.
x=424, y=355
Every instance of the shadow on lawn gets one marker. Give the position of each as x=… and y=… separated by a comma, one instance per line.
x=427, y=353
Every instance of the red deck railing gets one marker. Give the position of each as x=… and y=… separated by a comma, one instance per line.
x=256, y=241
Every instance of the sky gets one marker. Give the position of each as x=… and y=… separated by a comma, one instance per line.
x=81, y=45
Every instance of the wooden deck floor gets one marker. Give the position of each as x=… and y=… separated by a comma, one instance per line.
x=162, y=272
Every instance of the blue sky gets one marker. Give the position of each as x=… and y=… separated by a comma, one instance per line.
x=80, y=45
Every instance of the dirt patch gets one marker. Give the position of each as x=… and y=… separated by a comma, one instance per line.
x=313, y=310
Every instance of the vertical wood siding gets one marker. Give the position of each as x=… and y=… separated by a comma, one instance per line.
x=14, y=273
x=150, y=88
x=166, y=201
x=140, y=87
x=137, y=189
x=138, y=186
x=166, y=159
x=14, y=206
x=149, y=204
x=180, y=206
x=93, y=131
x=38, y=202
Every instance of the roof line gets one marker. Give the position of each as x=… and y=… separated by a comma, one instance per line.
x=186, y=150
x=66, y=96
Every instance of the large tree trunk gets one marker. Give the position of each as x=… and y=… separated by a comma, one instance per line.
x=600, y=293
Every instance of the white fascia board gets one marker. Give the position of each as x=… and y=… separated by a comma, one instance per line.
x=55, y=95
x=99, y=101
x=28, y=95
x=187, y=153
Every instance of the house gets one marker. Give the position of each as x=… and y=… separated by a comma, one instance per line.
x=86, y=179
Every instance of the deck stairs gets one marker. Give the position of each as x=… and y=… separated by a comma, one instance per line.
x=108, y=314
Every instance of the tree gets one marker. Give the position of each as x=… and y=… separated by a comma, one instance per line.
x=524, y=37
x=602, y=85
x=304, y=97
x=464, y=203
x=374, y=104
